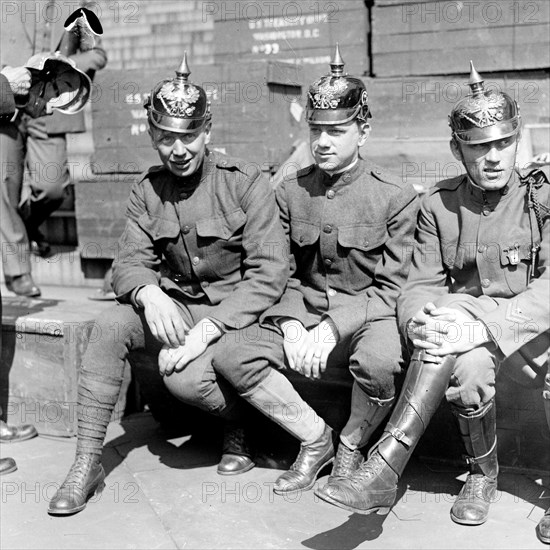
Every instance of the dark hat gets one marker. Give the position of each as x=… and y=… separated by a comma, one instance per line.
x=337, y=98
x=484, y=115
x=177, y=105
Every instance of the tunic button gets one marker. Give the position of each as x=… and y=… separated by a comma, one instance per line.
x=196, y=260
x=347, y=177
x=327, y=228
x=481, y=248
x=485, y=283
x=328, y=261
x=331, y=292
x=330, y=194
x=186, y=229
x=486, y=211
x=205, y=284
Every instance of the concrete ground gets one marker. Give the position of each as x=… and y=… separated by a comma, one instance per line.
x=162, y=491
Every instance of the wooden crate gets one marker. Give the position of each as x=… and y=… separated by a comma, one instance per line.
x=440, y=37
x=43, y=342
x=303, y=32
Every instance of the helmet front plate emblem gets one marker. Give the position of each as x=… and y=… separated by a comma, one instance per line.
x=177, y=100
x=324, y=97
x=484, y=111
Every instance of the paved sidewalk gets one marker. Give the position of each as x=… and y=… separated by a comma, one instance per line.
x=164, y=492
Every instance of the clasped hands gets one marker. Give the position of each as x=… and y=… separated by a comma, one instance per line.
x=442, y=331
x=181, y=344
x=307, y=351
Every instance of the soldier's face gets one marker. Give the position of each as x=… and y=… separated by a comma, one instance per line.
x=182, y=154
x=335, y=147
x=490, y=165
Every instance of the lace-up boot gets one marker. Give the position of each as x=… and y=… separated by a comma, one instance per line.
x=85, y=478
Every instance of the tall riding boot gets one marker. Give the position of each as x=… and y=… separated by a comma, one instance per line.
x=366, y=415
x=478, y=432
x=373, y=486
x=277, y=399
x=97, y=397
x=543, y=528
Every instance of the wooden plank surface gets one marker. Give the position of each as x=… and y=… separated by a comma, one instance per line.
x=421, y=38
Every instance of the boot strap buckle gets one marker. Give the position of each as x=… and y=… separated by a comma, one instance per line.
x=400, y=435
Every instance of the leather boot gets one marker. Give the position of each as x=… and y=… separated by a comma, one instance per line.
x=23, y=285
x=11, y=434
x=478, y=431
x=543, y=528
x=311, y=460
x=373, y=486
x=278, y=400
x=236, y=456
x=7, y=465
x=85, y=478
x=366, y=415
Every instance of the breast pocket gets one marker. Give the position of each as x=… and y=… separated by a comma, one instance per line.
x=219, y=241
x=158, y=228
x=303, y=233
x=515, y=260
x=362, y=237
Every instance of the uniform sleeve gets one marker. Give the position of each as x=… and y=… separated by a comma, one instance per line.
x=264, y=264
x=138, y=259
x=7, y=100
x=292, y=302
x=518, y=320
x=390, y=272
x=428, y=277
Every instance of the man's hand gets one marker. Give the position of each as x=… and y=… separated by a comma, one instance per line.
x=175, y=359
x=313, y=354
x=162, y=315
x=295, y=335
x=454, y=332
x=425, y=326
x=19, y=79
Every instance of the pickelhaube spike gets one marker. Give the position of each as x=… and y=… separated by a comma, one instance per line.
x=337, y=63
x=183, y=72
x=475, y=82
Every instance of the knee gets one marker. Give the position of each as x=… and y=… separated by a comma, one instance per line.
x=114, y=326
x=242, y=364
x=377, y=375
x=187, y=387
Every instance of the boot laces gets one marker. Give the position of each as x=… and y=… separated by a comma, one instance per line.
x=78, y=470
x=369, y=469
x=476, y=487
x=234, y=441
x=345, y=461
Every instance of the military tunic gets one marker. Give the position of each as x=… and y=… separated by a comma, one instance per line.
x=473, y=251
x=346, y=237
x=214, y=243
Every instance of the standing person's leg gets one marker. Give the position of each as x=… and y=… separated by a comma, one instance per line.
x=15, y=244
x=116, y=331
x=375, y=361
x=249, y=359
x=48, y=172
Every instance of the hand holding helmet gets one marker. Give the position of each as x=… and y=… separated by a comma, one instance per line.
x=56, y=83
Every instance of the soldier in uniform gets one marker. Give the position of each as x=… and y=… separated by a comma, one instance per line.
x=212, y=221
x=346, y=221
x=13, y=81
x=476, y=301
